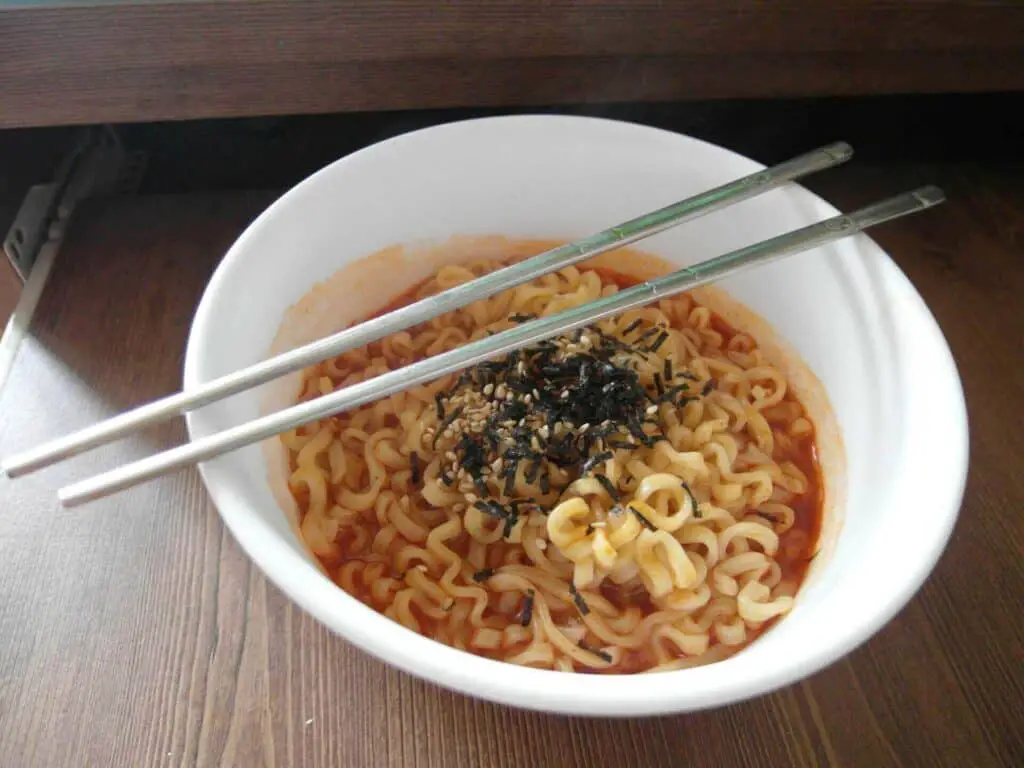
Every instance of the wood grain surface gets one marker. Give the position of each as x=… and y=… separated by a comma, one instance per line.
x=134, y=632
x=144, y=60
x=10, y=289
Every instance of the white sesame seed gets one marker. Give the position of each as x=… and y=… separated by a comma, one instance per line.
x=545, y=432
x=565, y=394
x=651, y=410
x=489, y=390
x=584, y=428
x=471, y=498
x=542, y=544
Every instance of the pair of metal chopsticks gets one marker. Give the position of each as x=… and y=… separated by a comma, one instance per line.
x=470, y=354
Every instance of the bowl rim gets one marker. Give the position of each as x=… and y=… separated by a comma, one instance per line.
x=547, y=690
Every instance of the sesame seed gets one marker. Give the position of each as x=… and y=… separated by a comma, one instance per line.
x=565, y=394
x=542, y=544
x=489, y=390
x=651, y=410
x=545, y=432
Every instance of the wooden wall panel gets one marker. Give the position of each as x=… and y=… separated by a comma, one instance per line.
x=138, y=61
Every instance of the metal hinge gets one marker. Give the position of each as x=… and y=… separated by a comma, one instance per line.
x=97, y=165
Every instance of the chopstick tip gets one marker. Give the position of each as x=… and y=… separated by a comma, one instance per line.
x=9, y=468
x=68, y=498
x=839, y=151
x=929, y=195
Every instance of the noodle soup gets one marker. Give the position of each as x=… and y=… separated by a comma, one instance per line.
x=639, y=495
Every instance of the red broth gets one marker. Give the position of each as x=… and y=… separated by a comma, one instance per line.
x=797, y=548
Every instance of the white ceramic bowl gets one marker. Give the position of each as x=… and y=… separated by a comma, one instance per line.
x=894, y=399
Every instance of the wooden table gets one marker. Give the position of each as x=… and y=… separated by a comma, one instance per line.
x=135, y=632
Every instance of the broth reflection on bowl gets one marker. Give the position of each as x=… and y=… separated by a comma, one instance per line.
x=641, y=495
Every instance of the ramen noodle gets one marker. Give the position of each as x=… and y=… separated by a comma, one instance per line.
x=638, y=495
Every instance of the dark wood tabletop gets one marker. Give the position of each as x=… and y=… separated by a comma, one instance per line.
x=144, y=60
x=134, y=632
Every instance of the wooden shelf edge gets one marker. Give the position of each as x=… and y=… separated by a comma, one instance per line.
x=135, y=61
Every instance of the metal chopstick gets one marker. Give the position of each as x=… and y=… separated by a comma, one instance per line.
x=413, y=314
x=506, y=341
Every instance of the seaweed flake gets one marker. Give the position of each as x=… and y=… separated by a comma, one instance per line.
x=643, y=520
x=693, y=500
x=603, y=655
x=577, y=598
x=527, y=614
x=483, y=575
x=608, y=486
